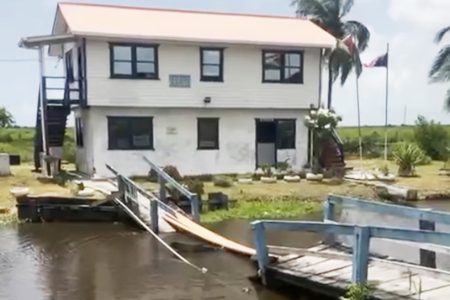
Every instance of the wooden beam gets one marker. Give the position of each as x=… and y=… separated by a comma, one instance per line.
x=262, y=253
x=391, y=209
x=360, y=260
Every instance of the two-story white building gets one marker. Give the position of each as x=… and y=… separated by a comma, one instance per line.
x=206, y=92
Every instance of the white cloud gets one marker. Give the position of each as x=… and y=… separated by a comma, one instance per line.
x=427, y=14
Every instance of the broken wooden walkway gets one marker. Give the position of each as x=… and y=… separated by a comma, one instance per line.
x=331, y=270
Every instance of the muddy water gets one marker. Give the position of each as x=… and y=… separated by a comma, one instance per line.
x=113, y=261
x=107, y=261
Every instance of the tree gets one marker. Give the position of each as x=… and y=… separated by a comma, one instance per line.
x=6, y=118
x=329, y=15
x=432, y=138
x=440, y=70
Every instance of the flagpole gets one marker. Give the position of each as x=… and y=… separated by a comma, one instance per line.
x=359, y=125
x=386, y=106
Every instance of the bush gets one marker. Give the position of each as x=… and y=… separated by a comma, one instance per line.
x=172, y=171
x=407, y=156
x=195, y=186
x=222, y=181
x=6, y=138
x=432, y=138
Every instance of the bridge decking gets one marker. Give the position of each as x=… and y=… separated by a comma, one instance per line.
x=329, y=271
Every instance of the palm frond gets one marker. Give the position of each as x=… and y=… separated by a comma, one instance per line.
x=345, y=7
x=311, y=8
x=440, y=35
x=360, y=32
x=321, y=13
x=440, y=70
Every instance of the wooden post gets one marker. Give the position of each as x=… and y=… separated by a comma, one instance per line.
x=154, y=216
x=195, y=208
x=427, y=257
x=162, y=189
x=329, y=215
x=121, y=186
x=328, y=211
x=262, y=253
x=361, y=244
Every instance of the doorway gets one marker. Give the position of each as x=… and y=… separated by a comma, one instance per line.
x=266, y=146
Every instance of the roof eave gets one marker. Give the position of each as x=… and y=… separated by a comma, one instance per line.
x=94, y=35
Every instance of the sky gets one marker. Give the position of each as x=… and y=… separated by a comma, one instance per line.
x=408, y=26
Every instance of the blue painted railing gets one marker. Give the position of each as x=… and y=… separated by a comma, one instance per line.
x=382, y=208
x=164, y=178
x=361, y=236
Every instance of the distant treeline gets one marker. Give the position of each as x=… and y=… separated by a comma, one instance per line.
x=432, y=137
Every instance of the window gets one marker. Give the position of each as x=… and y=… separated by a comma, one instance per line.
x=286, y=134
x=211, y=60
x=79, y=132
x=283, y=66
x=208, y=133
x=134, y=61
x=130, y=133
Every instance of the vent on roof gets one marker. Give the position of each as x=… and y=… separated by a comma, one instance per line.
x=180, y=81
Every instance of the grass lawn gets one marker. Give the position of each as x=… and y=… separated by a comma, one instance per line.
x=404, y=133
x=23, y=177
x=21, y=141
x=427, y=180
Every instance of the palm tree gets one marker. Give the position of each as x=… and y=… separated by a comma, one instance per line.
x=329, y=15
x=440, y=70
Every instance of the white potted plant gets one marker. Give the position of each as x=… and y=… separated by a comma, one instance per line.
x=268, y=176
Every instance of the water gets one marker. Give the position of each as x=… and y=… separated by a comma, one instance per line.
x=113, y=261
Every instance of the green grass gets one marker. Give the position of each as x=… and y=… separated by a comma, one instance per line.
x=21, y=141
x=403, y=133
x=273, y=208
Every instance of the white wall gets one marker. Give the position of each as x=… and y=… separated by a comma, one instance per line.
x=242, y=86
x=175, y=140
x=84, y=155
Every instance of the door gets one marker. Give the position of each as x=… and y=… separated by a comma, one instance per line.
x=266, y=136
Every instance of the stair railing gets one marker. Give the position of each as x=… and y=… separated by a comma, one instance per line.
x=338, y=142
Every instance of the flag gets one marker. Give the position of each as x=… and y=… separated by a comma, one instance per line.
x=380, y=61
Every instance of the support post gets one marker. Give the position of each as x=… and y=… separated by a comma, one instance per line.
x=154, y=218
x=329, y=215
x=162, y=189
x=121, y=186
x=262, y=253
x=427, y=257
x=45, y=165
x=328, y=211
x=360, y=258
x=195, y=208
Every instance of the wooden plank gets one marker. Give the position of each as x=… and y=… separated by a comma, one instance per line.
x=441, y=293
x=327, y=266
x=304, y=261
x=391, y=209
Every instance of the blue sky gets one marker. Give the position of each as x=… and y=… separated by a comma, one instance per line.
x=408, y=25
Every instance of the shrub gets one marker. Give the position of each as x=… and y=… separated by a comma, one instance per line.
x=407, y=156
x=172, y=171
x=195, y=186
x=6, y=138
x=432, y=138
x=222, y=181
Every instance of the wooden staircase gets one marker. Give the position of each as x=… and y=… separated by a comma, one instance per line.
x=57, y=106
x=332, y=156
